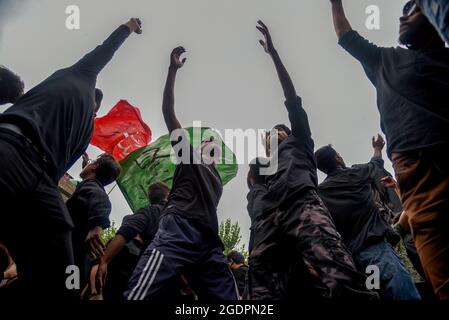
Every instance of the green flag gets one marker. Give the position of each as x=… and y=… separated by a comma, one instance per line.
x=152, y=163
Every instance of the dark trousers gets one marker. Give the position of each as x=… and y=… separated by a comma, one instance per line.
x=423, y=178
x=182, y=248
x=34, y=222
x=298, y=248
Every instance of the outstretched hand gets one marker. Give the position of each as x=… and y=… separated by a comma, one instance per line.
x=176, y=61
x=135, y=25
x=267, y=43
x=378, y=143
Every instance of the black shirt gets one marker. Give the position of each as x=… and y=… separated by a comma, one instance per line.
x=348, y=195
x=412, y=91
x=89, y=207
x=240, y=278
x=196, y=191
x=258, y=205
x=58, y=114
x=145, y=222
x=296, y=161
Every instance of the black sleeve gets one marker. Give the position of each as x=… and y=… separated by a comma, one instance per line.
x=99, y=209
x=133, y=225
x=372, y=169
x=93, y=62
x=298, y=119
x=377, y=162
x=364, y=51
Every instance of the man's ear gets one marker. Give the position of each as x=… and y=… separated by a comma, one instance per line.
x=339, y=159
x=94, y=167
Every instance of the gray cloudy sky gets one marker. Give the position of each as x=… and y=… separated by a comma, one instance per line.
x=227, y=82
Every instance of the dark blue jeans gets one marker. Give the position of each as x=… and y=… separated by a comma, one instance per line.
x=182, y=248
x=395, y=281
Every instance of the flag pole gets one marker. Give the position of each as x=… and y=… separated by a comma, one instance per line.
x=112, y=189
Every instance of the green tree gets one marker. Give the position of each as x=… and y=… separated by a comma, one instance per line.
x=230, y=236
x=109, y=233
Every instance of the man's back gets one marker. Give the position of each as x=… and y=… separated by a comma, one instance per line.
x=348, y=195
x=143, y=223
x=196, y=191
x=240, y=278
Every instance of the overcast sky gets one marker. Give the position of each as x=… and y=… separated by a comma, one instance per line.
x=228, y=81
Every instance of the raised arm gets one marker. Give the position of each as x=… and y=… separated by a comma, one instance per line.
x=341, y=23
x=168, y=104
x=284, y=77
x=297, y=115
x=367, y=53
x=93, y=62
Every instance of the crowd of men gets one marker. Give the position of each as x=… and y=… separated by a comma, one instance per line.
x=308, y=240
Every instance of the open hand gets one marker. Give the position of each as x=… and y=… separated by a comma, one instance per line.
x=378, y=143
x=267, y=43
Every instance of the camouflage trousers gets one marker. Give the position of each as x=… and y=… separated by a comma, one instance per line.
x=299, y=254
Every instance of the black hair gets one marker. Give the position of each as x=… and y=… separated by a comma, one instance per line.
x=326, y=159
x=236, y=257
x=158, y=192
x=11, y=86
x=255, y=167
x=108, y=169
x=283, y=127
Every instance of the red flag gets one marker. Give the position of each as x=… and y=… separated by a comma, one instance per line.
x=121, y=131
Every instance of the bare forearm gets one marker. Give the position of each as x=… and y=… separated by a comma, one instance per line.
x=114, y=247
x=377, y=153
x=284, y=77
x=341, y=23
x=168, y=105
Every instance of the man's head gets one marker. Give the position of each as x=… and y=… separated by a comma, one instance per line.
x=105, y=169
x=279, y=132
x=98, y=100
x=158, y=192
x=415, y=29
x=254, y=174
x=11, y=86
x=328, y=160
x=235, y=259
